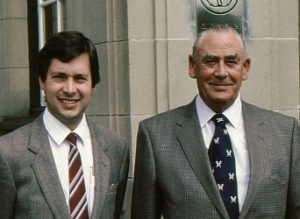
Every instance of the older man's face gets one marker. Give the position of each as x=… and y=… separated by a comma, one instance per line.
x=219, y=68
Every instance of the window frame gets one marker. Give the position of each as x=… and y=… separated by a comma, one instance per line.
x=42, y=4
x=42, y=27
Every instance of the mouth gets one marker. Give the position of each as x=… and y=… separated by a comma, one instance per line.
x=220, y=87
x=220, y=84
x=68, y=101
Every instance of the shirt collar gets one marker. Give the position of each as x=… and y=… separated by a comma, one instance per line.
x=233, y=113
x=58, y=131
x=82, y=130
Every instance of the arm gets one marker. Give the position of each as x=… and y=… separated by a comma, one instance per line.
x=293, y=198
x=7, y=190
x=123, y=181
x=146, y=201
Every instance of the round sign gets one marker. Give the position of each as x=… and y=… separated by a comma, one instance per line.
x=219, y=6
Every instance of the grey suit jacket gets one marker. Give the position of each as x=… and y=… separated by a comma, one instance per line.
x=173, y=177
x=29, y=182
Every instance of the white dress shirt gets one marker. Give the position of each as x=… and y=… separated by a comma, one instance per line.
x=57, y=133
x=237, y=134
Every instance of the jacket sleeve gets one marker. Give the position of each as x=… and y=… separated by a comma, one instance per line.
x=7, y=189
x=293, y=198
x=123, y=181
x=146, y=200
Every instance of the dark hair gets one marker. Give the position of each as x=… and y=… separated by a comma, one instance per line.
x=66, y=46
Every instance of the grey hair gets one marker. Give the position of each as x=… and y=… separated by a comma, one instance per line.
x=216, y=28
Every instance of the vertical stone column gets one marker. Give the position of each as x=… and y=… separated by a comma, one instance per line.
x=274, y=47
x=160, y=37
x=14, y=69
x=105, y=23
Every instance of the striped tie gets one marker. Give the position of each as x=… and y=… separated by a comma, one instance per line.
x=77, y=195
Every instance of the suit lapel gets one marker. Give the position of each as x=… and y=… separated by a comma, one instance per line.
x=45, y=170
x=101, y=170
x=255, y=128
x=191, y=140
x=190, y=137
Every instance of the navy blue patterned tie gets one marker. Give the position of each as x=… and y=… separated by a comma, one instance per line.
x=223, y=165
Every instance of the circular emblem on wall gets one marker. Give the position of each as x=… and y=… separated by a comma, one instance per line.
x=219, y=6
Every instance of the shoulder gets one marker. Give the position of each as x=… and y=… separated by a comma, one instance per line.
x=114, y=146
x=251, y=111
x=16, y=143
x=102, y=133
x=171, y=116
x=24, y=132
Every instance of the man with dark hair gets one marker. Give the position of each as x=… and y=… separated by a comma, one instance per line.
x=217, y=157
x=66, y=46
x=64, y=165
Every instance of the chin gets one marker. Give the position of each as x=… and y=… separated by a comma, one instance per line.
x=220, y=99
x=223, y=97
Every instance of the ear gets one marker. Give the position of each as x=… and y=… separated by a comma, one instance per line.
x=41, y=83
x=192, y=63
x=93, y=90
x=246, y=68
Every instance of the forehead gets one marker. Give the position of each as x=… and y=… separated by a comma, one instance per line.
x=80, y=63
x=223, y=42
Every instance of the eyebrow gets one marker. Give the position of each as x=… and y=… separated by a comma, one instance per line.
x=210, y=56
x=235, y=56
x=65, y=73
x=56, y=73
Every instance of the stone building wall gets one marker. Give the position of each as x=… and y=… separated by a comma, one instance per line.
x=143, y=52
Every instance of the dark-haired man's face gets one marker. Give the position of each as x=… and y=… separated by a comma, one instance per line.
x=68, y=89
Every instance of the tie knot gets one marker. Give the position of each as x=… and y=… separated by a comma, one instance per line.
x=72, y=138
x=219, y=119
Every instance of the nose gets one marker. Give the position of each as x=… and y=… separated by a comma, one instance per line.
x=220, y=70
x=69, y=86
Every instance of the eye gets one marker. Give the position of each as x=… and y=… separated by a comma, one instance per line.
x=232, y=63
x=80, y=79
x=59, y=77
x=210, y=61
